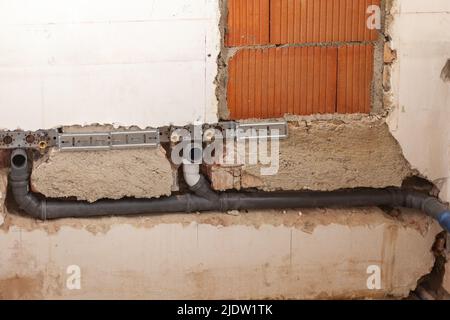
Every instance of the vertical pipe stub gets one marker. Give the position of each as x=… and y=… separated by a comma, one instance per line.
x=19, y=159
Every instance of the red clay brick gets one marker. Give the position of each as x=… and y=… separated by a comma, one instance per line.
x=260, y=22
x=313, y=21
x=248, y=23
x=265, y=83
x=355, y=75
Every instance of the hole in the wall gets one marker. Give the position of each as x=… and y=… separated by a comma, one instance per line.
x=19, y=161
x=445, y=73
x=430, y=286
x=418, y=183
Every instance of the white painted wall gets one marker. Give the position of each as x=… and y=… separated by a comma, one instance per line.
x=420, y=121
x=128, y=62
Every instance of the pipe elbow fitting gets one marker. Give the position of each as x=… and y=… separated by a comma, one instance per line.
x=430, y=206
x=28, y=202
x=19, y=180
x=197, y=183
x=34, y=207
x=203, y=189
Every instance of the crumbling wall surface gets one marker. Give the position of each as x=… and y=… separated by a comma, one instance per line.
x=258, y=255
x=320, y=154
x=140, y=173
x=344, y=152
x=420, y=93
x=323, y=152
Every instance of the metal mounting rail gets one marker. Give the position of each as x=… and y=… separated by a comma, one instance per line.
x=108, y=140
x=268, y=130
x=147, y=138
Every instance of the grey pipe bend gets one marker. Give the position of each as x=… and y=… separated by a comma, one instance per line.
x=197, y=182
x=42, y=209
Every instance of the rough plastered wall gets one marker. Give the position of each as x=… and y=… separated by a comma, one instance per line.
x=125, y=62
x=420, y=95
x=110, y=174
x=116, y=174
x=341, y=152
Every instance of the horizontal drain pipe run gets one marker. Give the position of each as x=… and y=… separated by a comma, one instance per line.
x=44, y=209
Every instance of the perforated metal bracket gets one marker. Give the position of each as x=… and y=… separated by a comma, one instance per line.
x=108, y=140
x=148, y=138
x=262, y=130
x=40, y=139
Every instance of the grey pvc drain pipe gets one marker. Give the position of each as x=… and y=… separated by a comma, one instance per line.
x=207, y=200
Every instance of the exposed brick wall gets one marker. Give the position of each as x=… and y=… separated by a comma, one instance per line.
x=248, y=22
x=312, y=21
x=270, y=82
x=253, y=22
x=325, y=63
x=355, y=73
